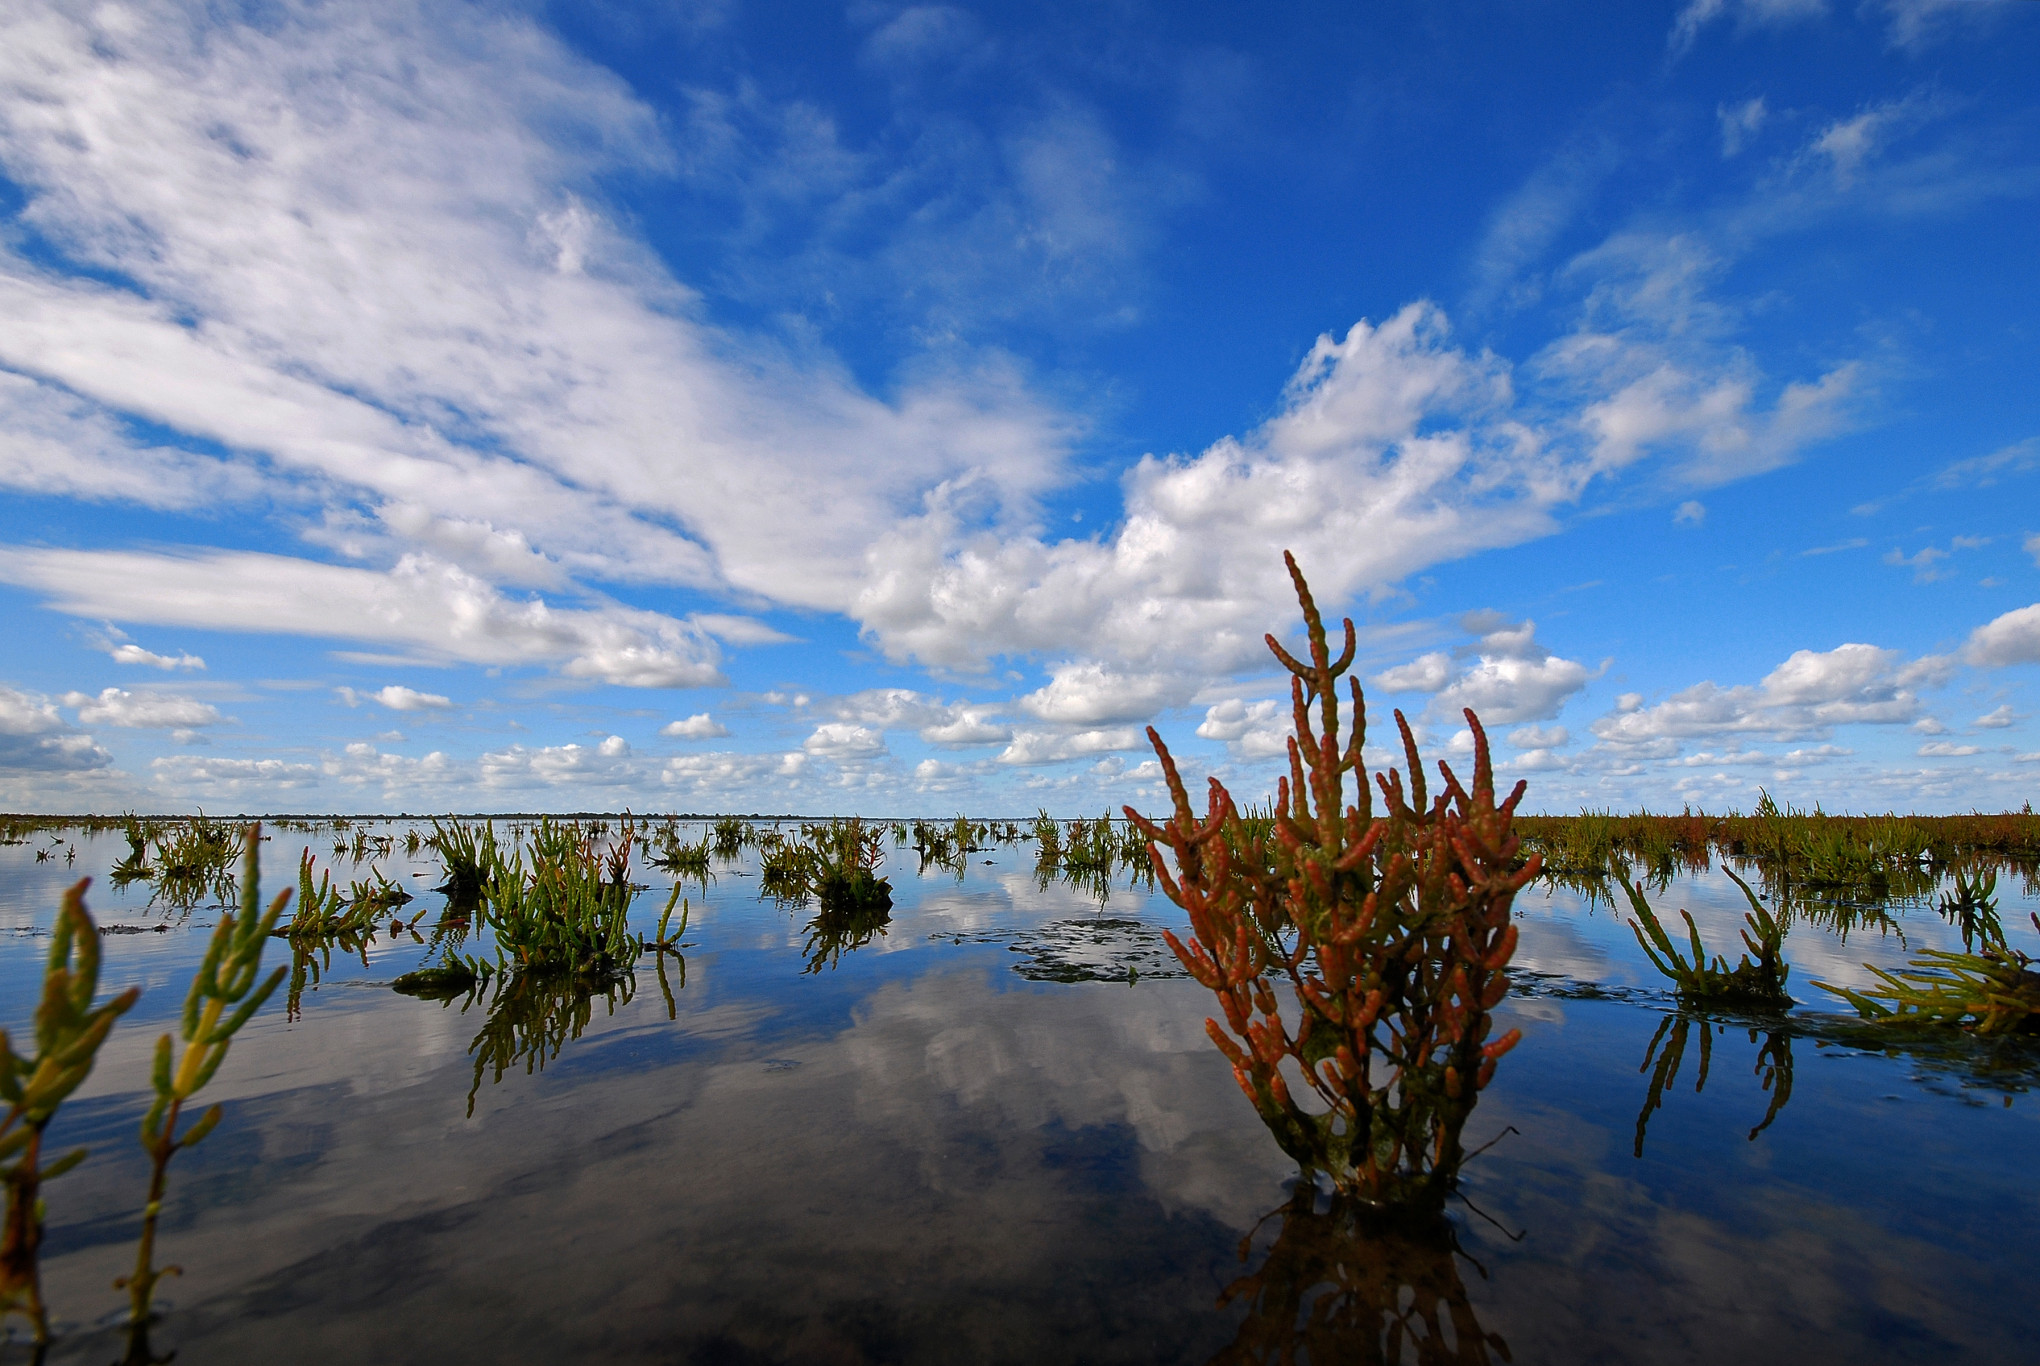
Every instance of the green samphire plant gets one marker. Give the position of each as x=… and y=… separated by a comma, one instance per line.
x=1756, y=982
x=1989, y=988
x=1392, y=933
x=69, y=1029
x=224, y=995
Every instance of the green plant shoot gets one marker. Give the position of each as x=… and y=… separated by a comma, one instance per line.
x=68, y=1032
x=224, y=995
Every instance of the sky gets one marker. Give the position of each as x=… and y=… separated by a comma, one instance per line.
x=895, y=409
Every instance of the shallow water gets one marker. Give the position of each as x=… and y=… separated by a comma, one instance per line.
x=997, y=1133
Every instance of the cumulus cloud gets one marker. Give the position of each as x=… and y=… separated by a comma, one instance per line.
x=953, y=725
x=1251, y=730
x=397, y=698
x=1426, y=673
x=720, y=773
x=1810, y=692
x=437, y=610
x=1507, y=676
x=1948, y=749
x=608, y=764
x=840, y=740
x=141, y=710
x=1048, y=747
x=2013, y=638
x=1393, y=450
x=34, y=738
x=362, y=764
x=700, y=726
x=1540, y=737
x=1997, y=718
x=1087, y=694
x=181, y=773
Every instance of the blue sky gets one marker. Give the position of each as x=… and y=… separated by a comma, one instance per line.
x=888, y=408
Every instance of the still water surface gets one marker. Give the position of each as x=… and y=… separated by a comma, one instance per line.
x=998, y=1133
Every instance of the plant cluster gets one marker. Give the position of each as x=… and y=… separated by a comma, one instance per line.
x=834, y=863
x=1392, y=932
x=1758, y=982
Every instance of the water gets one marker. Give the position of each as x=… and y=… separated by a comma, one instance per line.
x=998, y=1133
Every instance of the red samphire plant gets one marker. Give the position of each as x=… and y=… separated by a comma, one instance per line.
x=1393, y=932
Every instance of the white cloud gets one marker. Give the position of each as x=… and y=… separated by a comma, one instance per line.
x=1251, y=730
x=953, y=725
x=608, y=764
x=722, y=773
x=436, y=609
x=1808, y=693
x=1690, y=513
x=131, y=653
x=232, y=777
x=1426, y=673
x=34, y=738
x=1511, y=676
x=1748, y=14
x=1918, y=24
x=1048, y=747
x=1740, y=123
x=1084, y=694
x=1233, y=718
x=841, y=740
x=1998, y=719
x=397, y=698
x=1393, y=450
x=1986, y=471
x=700, y=726
x=1948, y=749
x=141, y=710
x=362, y=765
x=2013, y=638
x=368, y=247
x=1540, y=737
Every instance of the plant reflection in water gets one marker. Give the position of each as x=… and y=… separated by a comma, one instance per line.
x=1347, y=1281
x=839, y=928
x=1773, y=1066
x=531, y=1016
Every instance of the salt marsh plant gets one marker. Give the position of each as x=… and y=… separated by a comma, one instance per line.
x=69, y=1029
x=1758, y=982
x=1393, y=935
x=835, y=863
x=730, y=835
x=195, y=862
x=1990, y=989
x=570, y=912
x=468, y=856
x=682, y=859
x=224, y=995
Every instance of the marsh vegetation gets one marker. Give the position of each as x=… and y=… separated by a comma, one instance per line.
x=1424, y=997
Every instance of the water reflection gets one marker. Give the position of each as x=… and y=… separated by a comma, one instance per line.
x=1347, y=1282
x=310, y=961
x=1773, y=1067
x=840, y=928
x=531, y=1016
